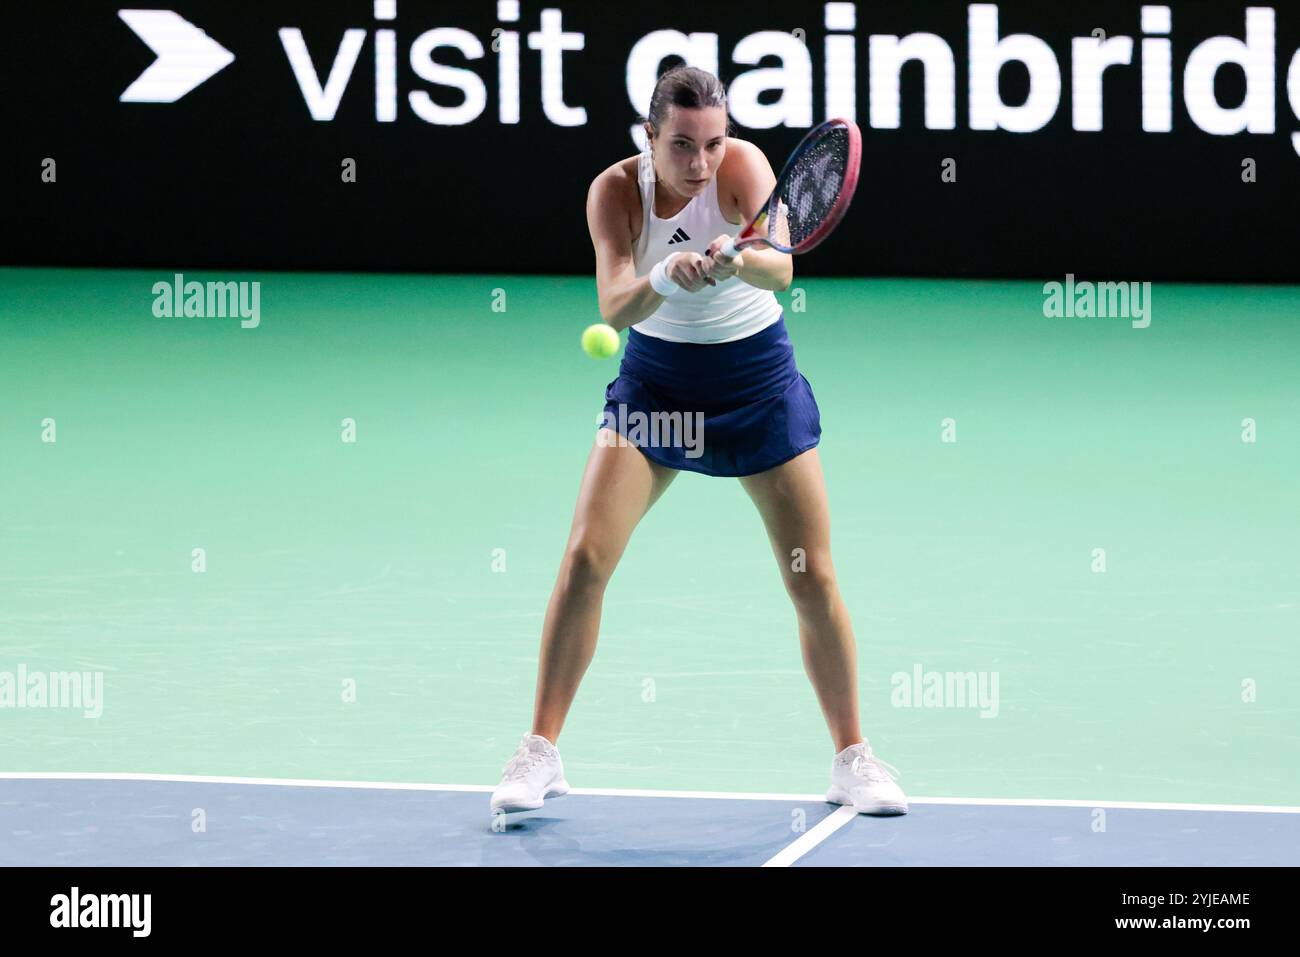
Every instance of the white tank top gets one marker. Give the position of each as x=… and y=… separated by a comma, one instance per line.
x=733, y=309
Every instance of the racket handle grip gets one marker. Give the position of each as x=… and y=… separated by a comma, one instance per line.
x=730, y=249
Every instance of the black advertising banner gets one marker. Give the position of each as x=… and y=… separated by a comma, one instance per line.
x=1117, y=139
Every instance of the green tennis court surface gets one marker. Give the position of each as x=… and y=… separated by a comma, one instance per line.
x=371, y=610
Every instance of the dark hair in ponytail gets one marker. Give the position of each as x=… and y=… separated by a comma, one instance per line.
x=687, y=87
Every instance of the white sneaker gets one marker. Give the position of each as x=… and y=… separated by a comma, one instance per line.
x=860, y=778
x=533, y=774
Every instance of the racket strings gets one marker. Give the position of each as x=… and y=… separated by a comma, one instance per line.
x=810, y=189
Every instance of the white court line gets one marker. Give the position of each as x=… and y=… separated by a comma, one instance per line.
x=824, y=829
x=625, y=792
x=221, y=779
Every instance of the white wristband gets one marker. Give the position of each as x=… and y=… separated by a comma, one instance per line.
x=659, y=279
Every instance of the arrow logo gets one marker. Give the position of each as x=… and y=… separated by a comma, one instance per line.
x=186, y=56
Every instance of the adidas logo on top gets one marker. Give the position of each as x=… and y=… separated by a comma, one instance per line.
x=679, y=236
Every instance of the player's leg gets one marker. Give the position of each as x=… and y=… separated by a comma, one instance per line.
x=791, y=498
x=618, y=488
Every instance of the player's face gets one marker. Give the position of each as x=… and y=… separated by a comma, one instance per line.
x=690, y=147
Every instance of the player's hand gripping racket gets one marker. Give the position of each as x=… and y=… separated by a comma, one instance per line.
x=812, y=193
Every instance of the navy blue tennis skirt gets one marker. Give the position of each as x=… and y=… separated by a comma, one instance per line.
x=728, y=408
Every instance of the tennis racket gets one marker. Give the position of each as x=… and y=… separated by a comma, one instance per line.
x=812, y=193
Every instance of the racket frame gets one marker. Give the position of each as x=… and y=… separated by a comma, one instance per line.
x=749, y=235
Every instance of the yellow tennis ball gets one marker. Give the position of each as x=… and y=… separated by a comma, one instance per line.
x=600, y=341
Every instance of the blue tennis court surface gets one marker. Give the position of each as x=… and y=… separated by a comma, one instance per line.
x=117, y=822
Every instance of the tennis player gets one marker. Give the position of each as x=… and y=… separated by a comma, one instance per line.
x=706, y=338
